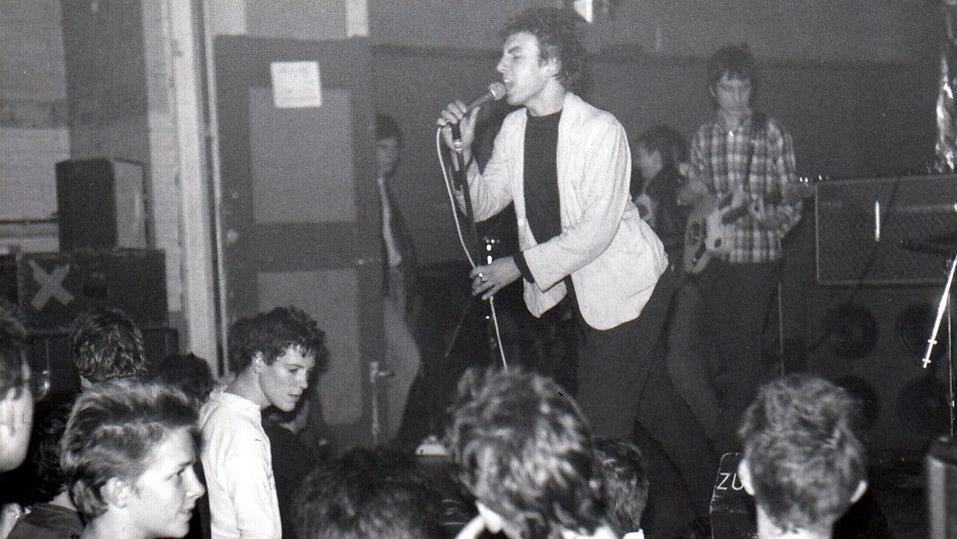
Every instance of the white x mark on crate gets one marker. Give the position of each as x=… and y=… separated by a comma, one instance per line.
x=51, y=285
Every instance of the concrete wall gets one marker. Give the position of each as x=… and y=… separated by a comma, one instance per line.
x=33, y=120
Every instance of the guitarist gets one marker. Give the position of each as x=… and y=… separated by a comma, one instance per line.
x=746, y=161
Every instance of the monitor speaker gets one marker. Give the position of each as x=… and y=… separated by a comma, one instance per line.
x=101, y=204
x=871, y=342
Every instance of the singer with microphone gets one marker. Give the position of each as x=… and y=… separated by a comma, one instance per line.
x=566, y=166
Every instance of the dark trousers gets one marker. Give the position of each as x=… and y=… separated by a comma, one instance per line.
x=737, y=300
x=623, y=378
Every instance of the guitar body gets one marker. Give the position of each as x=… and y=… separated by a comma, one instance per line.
x=707, y=232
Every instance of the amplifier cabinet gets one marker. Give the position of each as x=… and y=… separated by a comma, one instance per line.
x=101, y=204
x=53, y=288
x=883, y=231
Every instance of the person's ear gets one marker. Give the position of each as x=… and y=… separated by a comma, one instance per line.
x=859, y=491
x=116, y=492
x=554, y=66
x=744, y=474
x=259, y=362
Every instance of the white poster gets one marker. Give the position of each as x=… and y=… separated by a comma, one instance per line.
x=296, y=85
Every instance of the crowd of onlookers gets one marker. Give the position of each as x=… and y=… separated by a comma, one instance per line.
x=162, y=450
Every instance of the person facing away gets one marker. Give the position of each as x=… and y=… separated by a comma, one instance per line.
x=802, y=461
x=273, y=355
x=742, y=161
x=127, y=454
x=105, y=344
x=523, y=449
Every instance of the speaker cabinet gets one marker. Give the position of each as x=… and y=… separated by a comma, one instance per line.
x=101, y=204
x=871, y=342
x=877, y=231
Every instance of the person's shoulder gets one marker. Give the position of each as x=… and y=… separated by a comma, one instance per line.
x=588, y=112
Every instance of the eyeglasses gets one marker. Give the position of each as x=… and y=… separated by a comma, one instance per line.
x=39, y=380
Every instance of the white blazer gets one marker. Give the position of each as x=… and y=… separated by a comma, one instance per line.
x=612, y=255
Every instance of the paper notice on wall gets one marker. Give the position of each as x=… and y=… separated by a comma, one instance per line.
x=296, y=85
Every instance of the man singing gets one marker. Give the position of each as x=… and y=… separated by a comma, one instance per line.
x=583, y=246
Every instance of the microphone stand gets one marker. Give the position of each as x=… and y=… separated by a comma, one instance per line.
x=932, y=341
x=460, y=182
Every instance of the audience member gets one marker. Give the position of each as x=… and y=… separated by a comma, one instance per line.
x=128, y=455
x=802, y=461
x=367, y=493
x=187, y=372
x=106, y=344
x=16, y=405
x=55, y=516
x=525, y=452
x=291, y=458
x=272, y=355
x=626, y=483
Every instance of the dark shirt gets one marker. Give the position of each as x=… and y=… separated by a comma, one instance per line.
x=670, y=219
x=47, y=521
x=542, y=202
x=291, y=461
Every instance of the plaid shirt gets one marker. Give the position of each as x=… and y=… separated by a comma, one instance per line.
x=719, y=160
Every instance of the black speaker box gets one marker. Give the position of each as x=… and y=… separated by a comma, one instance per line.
x=51, y=289
x=101, y=204
x=871, y=342
x=882, y=231
x=52, y=351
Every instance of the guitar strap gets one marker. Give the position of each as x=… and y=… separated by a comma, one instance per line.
x=758, y=123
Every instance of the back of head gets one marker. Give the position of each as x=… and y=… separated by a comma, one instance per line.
x=271, y=334
x=803, y=457
x=524, y=450
x=111, y=432
x=625, y=480
x=367, y=493
x=106, y=344
x=559, y=36
x=187, y=372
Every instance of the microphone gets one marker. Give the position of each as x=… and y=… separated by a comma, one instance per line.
x=494, y=92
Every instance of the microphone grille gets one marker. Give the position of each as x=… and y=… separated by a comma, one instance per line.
x=497, y=90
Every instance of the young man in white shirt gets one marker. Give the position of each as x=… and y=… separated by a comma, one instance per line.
x=273, y=355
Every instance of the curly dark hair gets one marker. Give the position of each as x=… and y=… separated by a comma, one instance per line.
x=105, y=344
x=559, y=37
x=524, y=449
x=271, y=334
x=804, y=459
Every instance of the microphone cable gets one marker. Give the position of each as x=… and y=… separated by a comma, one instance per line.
x=458, y=231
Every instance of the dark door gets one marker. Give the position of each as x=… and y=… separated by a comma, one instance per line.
x=297, y=227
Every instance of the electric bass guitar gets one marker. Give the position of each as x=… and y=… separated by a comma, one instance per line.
x=710, y=227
